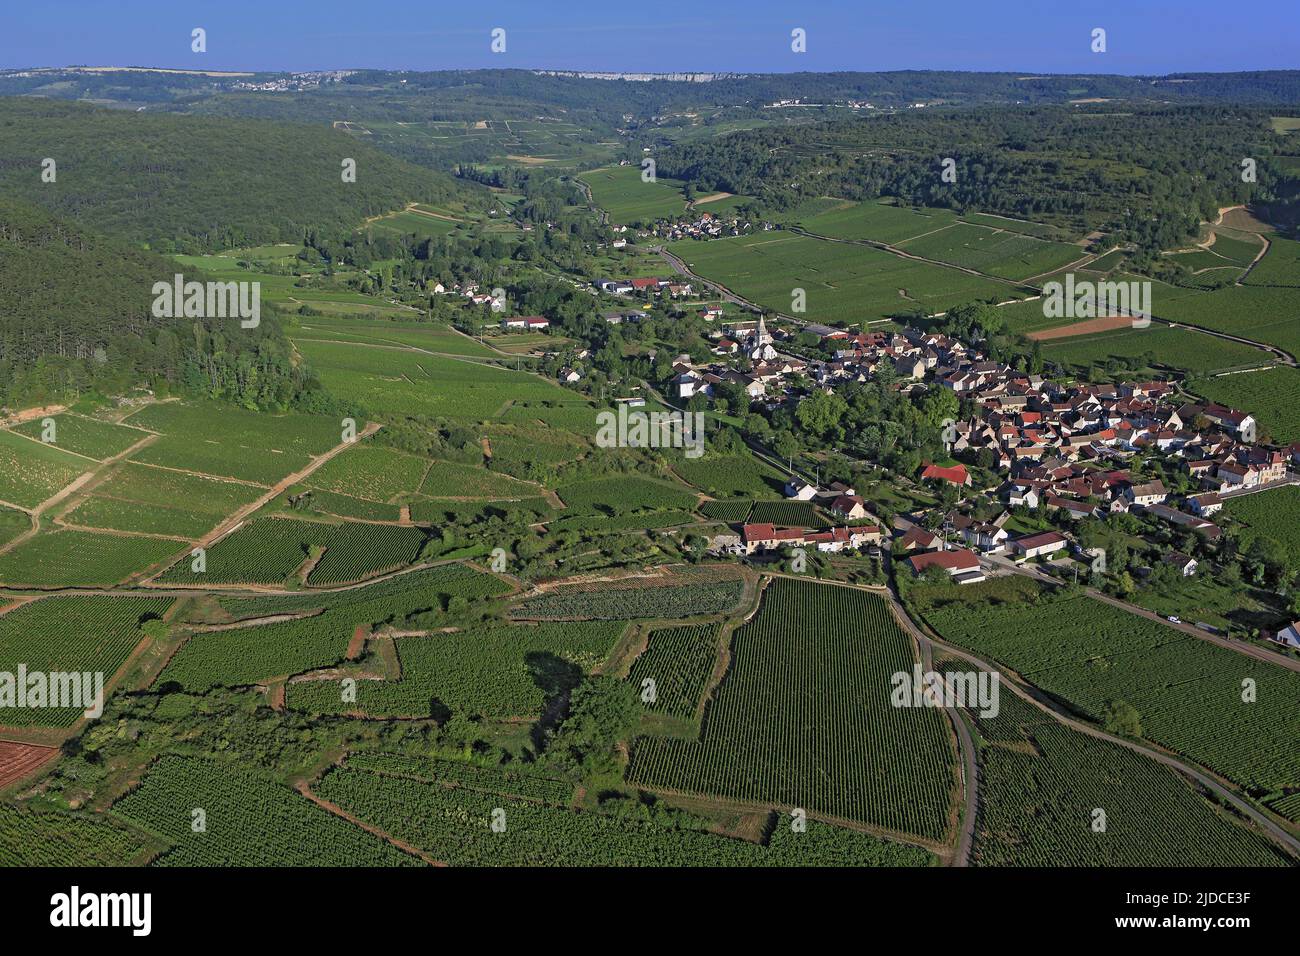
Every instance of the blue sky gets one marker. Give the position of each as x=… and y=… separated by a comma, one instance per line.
x=1143, y=36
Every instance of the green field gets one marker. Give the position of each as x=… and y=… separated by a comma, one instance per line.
x=681, y=596
x=268, y=550
x=1008, y=255
x=429, y=336
x=371, y=471
x=1280, y=265
x=407, y=382
x=678, y=661
x=843, y=282
x=803, y=718
x=158, y=501
x=728, y=476
x=50, y=838
x=1274, y=513
x=625, y=494
x=620, y=192
x=1184, y=349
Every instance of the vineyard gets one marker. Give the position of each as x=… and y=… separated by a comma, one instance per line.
x=48, y=838
x=249, y=655
x=1275, y=513
x=790, y=514
x=803, y=718
x=65, y=634
x=732, y=511
x=679, y=660
x=454, y=826
x=370, y=471
x=676, y=597
x=727, y=476
x=458, y=773
x=625, y=494
x=64, y=558
x=1187, y=692
x=252, y=446
x=157, y=501
x=494, y=671
x=268, y=550
x=250, y=820
x=31, y=472
x=1040, y=783
x=85, y=436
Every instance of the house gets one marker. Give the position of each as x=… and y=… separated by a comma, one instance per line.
x=838, y=539
x=963, y=565
x=1289, y=636
x=1185, y=563
x=1038, y=545
x=570, y=375
x=918, y=539
x=984, y=535
x=955, y=475
x=766, y=537
x=851, y=507
x=799, y=490
x=1150, y=493
x=1204, y=505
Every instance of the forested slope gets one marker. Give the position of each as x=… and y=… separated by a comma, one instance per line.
x=190, y=184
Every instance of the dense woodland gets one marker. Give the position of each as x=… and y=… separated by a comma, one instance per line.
x=1146, y=176
x=185, y=184
x=75, y=317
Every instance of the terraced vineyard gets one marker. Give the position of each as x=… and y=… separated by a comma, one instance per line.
x=792, y=514
x=454, y=825
x=1187, y=692
x=732, y=511
x=1041, y=784
x=802, y=718
x=67, y=634
x=679, y=660
x=249, y=820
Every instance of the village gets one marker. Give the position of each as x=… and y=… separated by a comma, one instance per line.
x=1064, y=451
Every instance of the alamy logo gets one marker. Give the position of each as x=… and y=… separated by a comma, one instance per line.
x=39, y=690
x=1093, y=300
x=630, y=429
x=973, y=690
x=74, y=909
x=208, y=300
